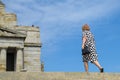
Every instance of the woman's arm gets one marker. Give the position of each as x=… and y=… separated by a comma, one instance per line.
x=83, y=41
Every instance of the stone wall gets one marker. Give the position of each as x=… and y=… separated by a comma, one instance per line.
x=32, y=46
x=32, y=59
x=2, y=9
x=11, y=42
x=7, y=19
x=59, y=76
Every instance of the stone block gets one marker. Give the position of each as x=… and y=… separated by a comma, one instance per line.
x=58, y=76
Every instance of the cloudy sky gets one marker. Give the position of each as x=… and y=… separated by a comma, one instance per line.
x=60, y=23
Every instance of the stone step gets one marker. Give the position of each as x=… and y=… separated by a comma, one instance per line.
x=58, y=76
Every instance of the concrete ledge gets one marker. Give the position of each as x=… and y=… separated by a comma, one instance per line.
x=33, y=44
x=58, y=76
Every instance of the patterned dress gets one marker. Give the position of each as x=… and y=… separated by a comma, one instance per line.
x=90, y=42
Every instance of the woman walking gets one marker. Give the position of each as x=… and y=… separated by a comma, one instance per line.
x=88, y=48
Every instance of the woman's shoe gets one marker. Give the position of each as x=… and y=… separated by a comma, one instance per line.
x=102, y=70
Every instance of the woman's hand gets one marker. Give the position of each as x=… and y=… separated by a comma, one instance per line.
x=82, y=46
x=83, y=41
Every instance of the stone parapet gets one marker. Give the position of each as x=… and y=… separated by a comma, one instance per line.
x=8, y=19
x=26, y=28
x=58, y=76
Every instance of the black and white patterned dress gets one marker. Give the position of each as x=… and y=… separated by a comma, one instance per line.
x=90, y=42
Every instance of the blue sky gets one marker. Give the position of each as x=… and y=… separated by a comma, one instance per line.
x=60, y=23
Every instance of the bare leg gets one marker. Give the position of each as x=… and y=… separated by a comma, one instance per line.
x=97, y=64
x=86, y=66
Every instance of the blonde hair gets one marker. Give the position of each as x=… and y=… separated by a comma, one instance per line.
x=85, y=27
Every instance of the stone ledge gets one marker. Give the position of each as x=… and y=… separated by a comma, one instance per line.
x=58, y=76
x=33, y=44
x=6, y=32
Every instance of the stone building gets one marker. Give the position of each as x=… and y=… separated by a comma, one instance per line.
x=19, y=45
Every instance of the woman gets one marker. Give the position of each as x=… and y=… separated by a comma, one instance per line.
x=88, y=41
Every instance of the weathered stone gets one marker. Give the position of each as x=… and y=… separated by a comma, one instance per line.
x=19, y=45
x=58, y=76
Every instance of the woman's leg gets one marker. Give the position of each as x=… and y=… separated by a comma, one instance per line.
x=86, y=66
x=97, y=64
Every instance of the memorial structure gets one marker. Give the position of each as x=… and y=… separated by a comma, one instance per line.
x=19, y=45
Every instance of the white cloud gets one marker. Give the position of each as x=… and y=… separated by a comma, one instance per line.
x=54, y=16
x=68, y=10
x=71, y=12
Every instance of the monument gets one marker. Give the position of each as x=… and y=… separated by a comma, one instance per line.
x=20, y=51
x=19, y=45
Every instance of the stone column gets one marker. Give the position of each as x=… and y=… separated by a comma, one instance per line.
x=19, y=62
x=3, y=59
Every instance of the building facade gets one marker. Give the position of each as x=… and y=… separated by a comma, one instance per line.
x=19, y=45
